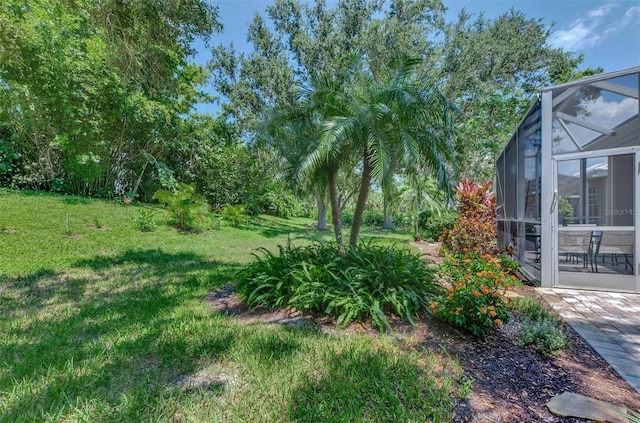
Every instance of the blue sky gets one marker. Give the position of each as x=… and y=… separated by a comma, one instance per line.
x=606, y=32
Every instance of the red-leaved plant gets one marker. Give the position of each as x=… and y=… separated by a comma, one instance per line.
x=475, y=228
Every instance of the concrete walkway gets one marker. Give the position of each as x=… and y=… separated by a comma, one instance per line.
x=608, y=321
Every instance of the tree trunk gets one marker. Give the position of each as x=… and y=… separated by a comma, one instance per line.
x=416, y=229
x=362, y=201
x=387, y=223
x=335, y=208
x=321, y=201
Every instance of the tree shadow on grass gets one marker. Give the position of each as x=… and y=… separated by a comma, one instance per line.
x=361, y=385
x=108, y=331
x=271, y=229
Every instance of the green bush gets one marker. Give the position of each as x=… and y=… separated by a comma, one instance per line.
x=366, y=282
x=236, y=215
x=433, y=225
x=372, y=217
x=281, y=204
x=475, y=299
x=540, y=328
x=185, y=208
x=402, y=219
x=347, y=218
x=144, y=222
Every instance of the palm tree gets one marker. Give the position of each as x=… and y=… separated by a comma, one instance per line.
x=420, y=193
x=349, y=116
x=300, y=126
x=399, y=119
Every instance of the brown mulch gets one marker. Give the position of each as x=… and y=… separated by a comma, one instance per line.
x=511, y=383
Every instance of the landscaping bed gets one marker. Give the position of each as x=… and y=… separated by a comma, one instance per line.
x=510, y=383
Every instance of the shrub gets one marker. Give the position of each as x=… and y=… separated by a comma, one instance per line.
x=144, y=222
x=474, y=230
x=184, y=206
x=347, y=218
x=372, y=217
x=546, y=336
x=510, y=265
x=281, y=204
x=475, y=299
x=366, y=282
x=540, y=328
x=236, y=215
x=433, y=225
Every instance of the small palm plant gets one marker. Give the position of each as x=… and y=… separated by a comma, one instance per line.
x=234, y=214
x=183, y=205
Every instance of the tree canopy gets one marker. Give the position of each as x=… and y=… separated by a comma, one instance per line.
x=90, y=90
x=491, y=68
x=97, y=97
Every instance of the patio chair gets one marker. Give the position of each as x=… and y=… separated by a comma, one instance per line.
x=575, y=246
x=617, y=245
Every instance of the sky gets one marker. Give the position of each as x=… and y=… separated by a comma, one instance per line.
x=606, y=32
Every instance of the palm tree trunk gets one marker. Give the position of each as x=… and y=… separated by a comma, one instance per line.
x=387, y=200
x=321, y=202
x=416, y=229
x=336, y=216
x=322, y=213
x=387, y=223
x=362, y=200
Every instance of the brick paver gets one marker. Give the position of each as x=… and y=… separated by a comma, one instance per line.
x=609, y=322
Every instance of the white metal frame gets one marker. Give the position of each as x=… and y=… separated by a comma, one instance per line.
x=551, y=230
x=548, y=218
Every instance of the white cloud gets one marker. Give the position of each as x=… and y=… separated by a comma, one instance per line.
x=600, y=11
x=631, y=17
x=580, y=35
x=595, y=26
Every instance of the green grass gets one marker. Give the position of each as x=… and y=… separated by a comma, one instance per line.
x=112, y=324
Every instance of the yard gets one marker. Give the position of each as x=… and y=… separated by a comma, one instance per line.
x=102, y=322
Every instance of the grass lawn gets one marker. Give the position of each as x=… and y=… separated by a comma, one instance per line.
x=102, y=322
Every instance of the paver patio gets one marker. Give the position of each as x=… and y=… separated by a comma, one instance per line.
x=608, y=321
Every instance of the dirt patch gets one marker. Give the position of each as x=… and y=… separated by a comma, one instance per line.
x=429, y=250
x=226, y=301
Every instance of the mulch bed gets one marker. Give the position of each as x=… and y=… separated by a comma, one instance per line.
x=513, y=384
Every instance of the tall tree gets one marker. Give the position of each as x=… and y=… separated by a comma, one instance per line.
x=493, y=68
x=301, y=38
x=302, y=124
x=90, y=89
x=490, y=67
x=398, y=119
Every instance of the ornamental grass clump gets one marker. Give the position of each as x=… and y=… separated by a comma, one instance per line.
x=475, y=299
x=367, y=282
x=540, y=328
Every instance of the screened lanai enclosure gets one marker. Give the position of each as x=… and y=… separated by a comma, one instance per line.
x=568, y=183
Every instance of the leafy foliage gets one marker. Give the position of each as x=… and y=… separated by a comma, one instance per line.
x=474, y=231
x=236, y=215
x=540, y=327
x=433, y=225
x=475, y=299
x=493, y=68
x=144, y=221
x=367, y=281
x=281, y=203
x=184, y=206
x=89, y=87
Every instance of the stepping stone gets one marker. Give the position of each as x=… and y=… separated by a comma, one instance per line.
x=569, y=404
